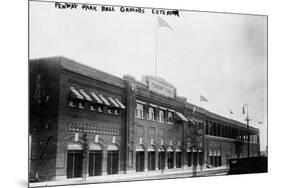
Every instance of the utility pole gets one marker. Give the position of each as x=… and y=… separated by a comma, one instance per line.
x=248, y=131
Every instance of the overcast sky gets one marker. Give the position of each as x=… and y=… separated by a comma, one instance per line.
x=220, y=56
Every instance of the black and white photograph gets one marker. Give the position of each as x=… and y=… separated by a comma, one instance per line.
x=127, y=93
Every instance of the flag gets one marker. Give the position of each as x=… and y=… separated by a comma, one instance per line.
x=163, y=23
x=230, y=111
x=202, y=98
x=243, y=111
x=194, y=108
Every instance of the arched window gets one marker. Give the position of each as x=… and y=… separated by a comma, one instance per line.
x=74, y=160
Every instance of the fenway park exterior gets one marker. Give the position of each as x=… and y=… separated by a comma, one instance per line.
x=86, y=123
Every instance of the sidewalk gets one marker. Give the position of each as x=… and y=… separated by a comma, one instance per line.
x=134, y=176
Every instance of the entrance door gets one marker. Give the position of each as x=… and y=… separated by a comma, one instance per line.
x=161, y=160
x=112, y=162
x=151, y=160
x=195, y=161
x=74, y=163
x=95, y=163
x=178, y=159
x=170, y=159
x=140, y=161
x=201, y=158
x=189, y=154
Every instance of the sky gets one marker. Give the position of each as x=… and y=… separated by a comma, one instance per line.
x=220, y=56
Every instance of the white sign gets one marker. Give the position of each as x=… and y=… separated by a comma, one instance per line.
x=161, y=88
x=76, y=137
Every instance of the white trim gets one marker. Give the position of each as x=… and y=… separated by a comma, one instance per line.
x=95, y=147
x=153, y=105
x=171, y=110
x=162, y=108
x=74, y=146
x=182, y=116
x=137, y=101
x=112, y=147
x=170, y=149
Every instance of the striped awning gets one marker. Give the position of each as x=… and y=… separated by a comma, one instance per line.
x=97, y=99
x=113, y=102
x=120, y=104
x=85, y=95
x=182, y=117
x=104, y=100
x=75, y=93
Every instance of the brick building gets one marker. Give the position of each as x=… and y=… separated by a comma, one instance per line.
x=86, y=123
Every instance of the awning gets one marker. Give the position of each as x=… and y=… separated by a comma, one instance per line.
x=87, y=97
x=120, y=104
x=76, y=94
x=113, y=102
x=182, y=117
x=104, y=100
x=96, y=98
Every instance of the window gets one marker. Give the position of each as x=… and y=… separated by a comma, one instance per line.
x=81, y=105
x=93, y=107
x=117, y=112
x=170, y=117
x=109, y=110
x=139, y=110
x=151, y=113
x=161, y=116
x=100, y=109
x=71, y=103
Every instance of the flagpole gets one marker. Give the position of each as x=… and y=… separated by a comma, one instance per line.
x=156, y=46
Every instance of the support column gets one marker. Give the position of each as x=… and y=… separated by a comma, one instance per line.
x=175, y=159
x=145, y=160
x=104, y=162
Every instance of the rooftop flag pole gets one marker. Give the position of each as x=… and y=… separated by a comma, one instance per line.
x=159, y=23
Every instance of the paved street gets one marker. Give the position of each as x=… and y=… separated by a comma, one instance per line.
x=136, y=176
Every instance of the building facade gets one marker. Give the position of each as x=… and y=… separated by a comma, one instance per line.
x=86, y=123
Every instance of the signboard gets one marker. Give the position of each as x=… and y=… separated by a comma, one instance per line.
x=161, y=88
